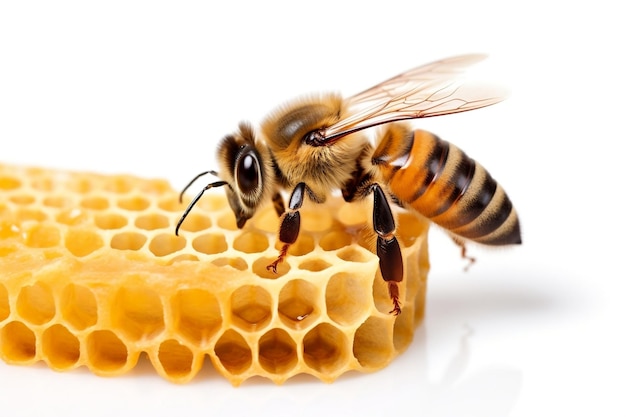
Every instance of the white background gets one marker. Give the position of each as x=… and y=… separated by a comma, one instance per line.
x=149, y=87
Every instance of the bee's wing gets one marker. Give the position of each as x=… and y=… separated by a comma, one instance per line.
x=429, y=90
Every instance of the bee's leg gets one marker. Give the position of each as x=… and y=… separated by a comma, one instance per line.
x=461, y=244
x=279, y=204
x=289, y=224
x=387, y=247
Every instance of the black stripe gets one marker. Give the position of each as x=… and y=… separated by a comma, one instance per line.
x=492, y=223
x=434, y=166
x=477, y=203
x=461, y=178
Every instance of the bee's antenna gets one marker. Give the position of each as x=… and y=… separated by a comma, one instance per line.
x=198, y=196
x=202, y=174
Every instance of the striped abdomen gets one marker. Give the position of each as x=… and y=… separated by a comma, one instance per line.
x=441, y=182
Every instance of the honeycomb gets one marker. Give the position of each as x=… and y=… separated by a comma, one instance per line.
x=92, y=274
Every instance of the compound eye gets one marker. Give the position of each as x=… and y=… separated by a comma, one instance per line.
x=248, y=173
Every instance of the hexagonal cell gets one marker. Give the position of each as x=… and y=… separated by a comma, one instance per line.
x=410, y=228
x=61, y=349
x=195, y=222
x=167, y=243
x=182, y=258
x=80, y=184
x=170, y=204
x=233, y=352
x=314, y=265
x=26, y=214
x=22, y=199
x=227, y=222
x=18, y=343
x=266, y=220
x=297, y=303
x=155, y=186
x=354, y=254
x=119, y=184
x=373, y=343
x=237, y=263
x=109, y=221
x=9, y=183
x=212, y=202
x=277, y=352
x=134, y=203
x=304, y=245
x=128, y=241
x=348, y=297
x=35, y=303
x=72, y=217
x=152, y=221
x=403, y=329
x=82, y=242
x=42, y=236
x=106, y=353
x=334, y=240
x=42, y=184
x=5, y=309
x=355, y=214
x=138, y=313
x=58, y=201
x=259, y=267
x=251, y=242
x=78, y=306
x=95, y=203
x=251, y=307
x=176, y=359
x=197, y=315
x=210, y=243
x=326, y=349
x=316, y=219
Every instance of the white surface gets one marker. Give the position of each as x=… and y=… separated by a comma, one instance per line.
x=149, y=87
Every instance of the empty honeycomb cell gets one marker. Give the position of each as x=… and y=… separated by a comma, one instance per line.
x=82, y=242
x=314, y=265
x=237, y=263
x=18, y=343
x=110, y=221
x=78, y=306
x=95, y=203
x=35, y=303
x=355, y=214
x=316, y=220
x=354, y=254
x=176, y=359
x=43, y=183
x=373, y=343
x=22, y=199
x=155, y=186
x=211, y=204
x=138, y=313
x=134, y=203
x=9, y=183
x=303, y=246
x=80, y=185
x=233, y=352
x=197, y=315
x=60, y=347
x=106, y=353
x=326, y=349
x=251, y=307
x=403, y=329
x=335, y=240
x=195, y=222
x=119, y=184
x=277, y=352
x=166, y=243
x=259, y=267
x=5, y=309
x=266, y=221
x=72, y=217
x=170, y=204
x=210, y=243
x=227, y=222
x=347, y=296
x=251, y=242
x=128, y=241
x=152, y=221
x=297, y=303
x=28, y=214
x=182, y=258
x=57, y=201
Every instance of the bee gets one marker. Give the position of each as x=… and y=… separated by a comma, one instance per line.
x=315, y=145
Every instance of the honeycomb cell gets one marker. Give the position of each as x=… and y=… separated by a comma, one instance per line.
x=409, y=228
x=314, y=265
x=335, y=240
x=79, y=307
x=42, y=236
x=251, y=242
x=403, y=329
x=237, y=263
x=95, y=203
x=18, y=343
x=266, y=220
x=138, y=313
x=9, y=183
x=347, y=297
x=296, y=303
x=211, y=203
x=277, y=352
x=197, y=315
x=135, y=203
x=106, y=353
x=326, y=349
x=22, y=199
x=355, y=214
x=210, y=243
x=80, y=185
x=152, y=221
x=182, y=258
x=195, y=222
x=304, y=245
x=27, y=214
x=170, y=204
x=57, y=201
x=373, y=345
x=154, y=186
x=36, y=304
x=119, y=184
x=5, y=309
x=42, y=184
x=233, y=352
x=82, y=242
x=72, y=217
x=227, y=222
x=176, y=359
x=61, y=348
x=251, y=307
x=128, y=241
x=110, y=221
x=316, y=220
x=353, y=254
x=166, y=243
x=259, y=267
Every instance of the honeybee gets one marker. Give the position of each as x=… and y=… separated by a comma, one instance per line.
x=315, y=145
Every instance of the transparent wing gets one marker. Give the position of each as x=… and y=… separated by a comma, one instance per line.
x=430, y=90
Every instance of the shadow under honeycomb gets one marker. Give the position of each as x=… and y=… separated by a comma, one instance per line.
x=92, y=274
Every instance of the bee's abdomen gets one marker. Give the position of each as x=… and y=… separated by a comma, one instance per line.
x=442, y=183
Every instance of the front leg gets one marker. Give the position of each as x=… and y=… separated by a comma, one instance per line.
x=289, y=224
